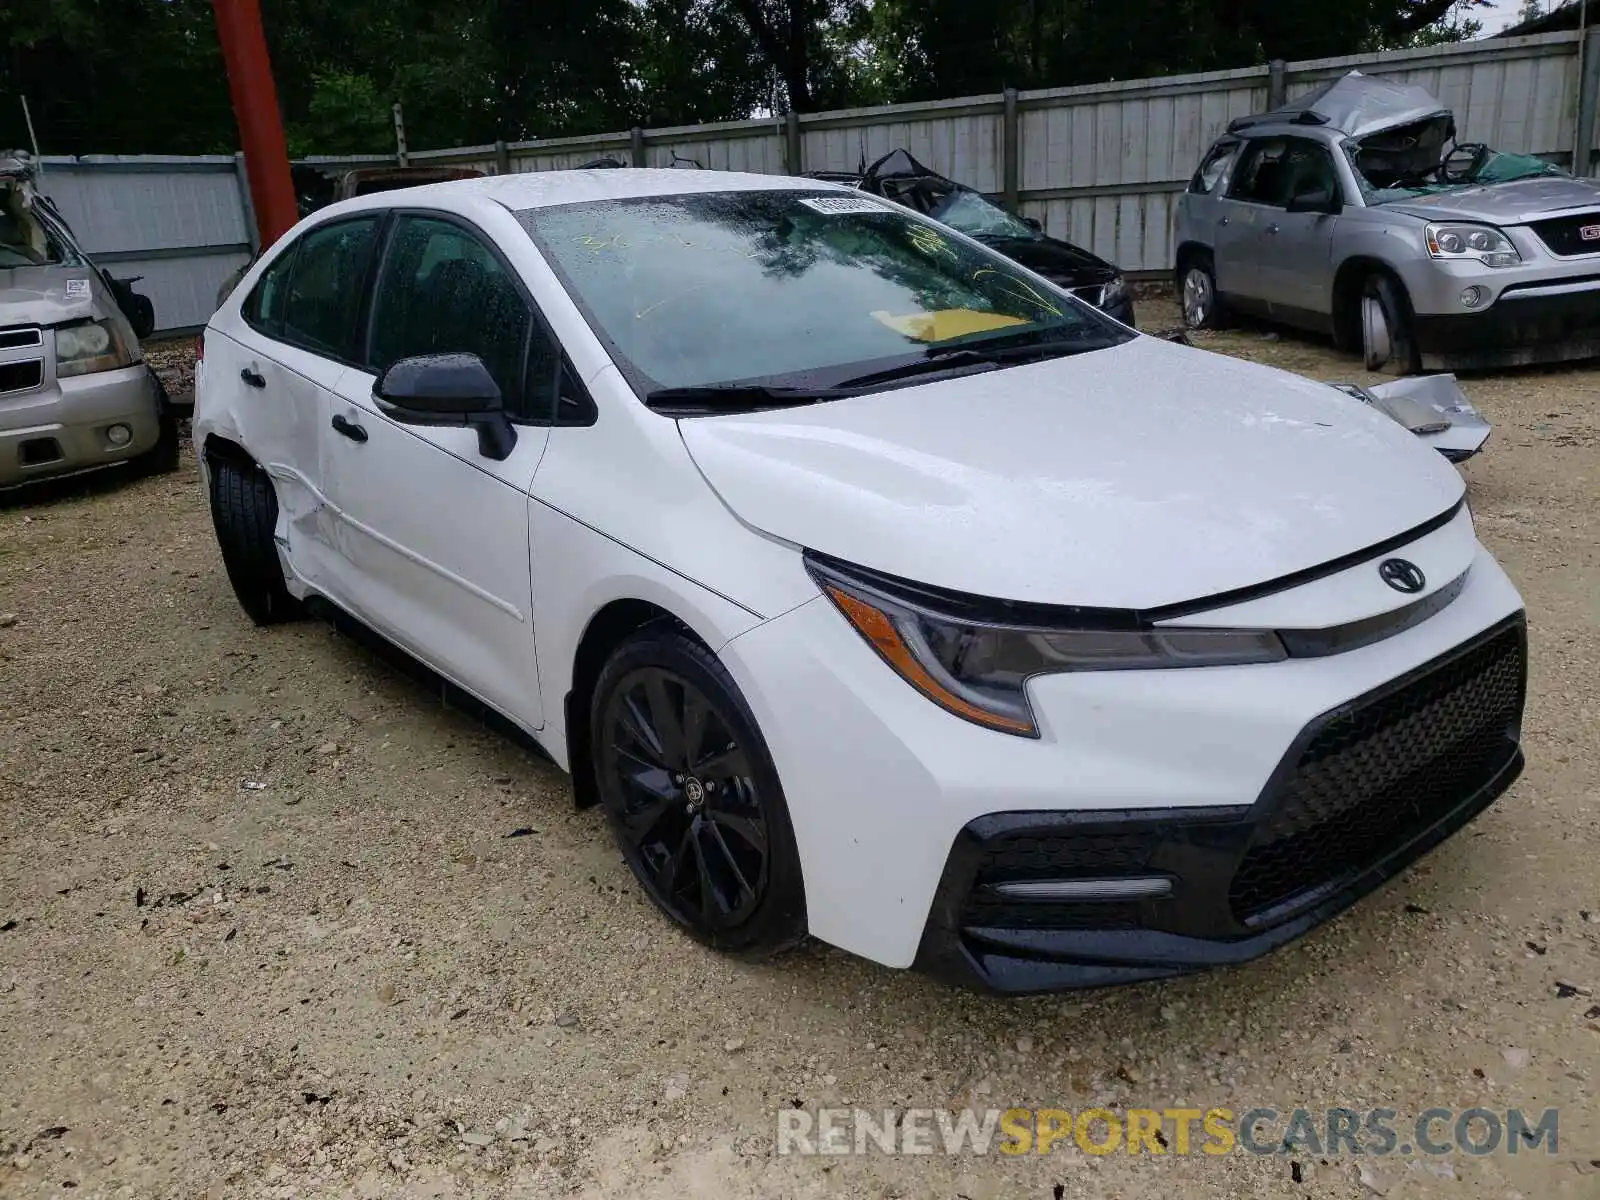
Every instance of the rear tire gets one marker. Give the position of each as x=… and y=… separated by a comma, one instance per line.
x=1197, y=293
x=693, y=797
x=244, y=509
x=1387, y=341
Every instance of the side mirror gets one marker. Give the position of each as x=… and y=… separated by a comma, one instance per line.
x=1315, y=200
x=447, y=389
x=1033, y=224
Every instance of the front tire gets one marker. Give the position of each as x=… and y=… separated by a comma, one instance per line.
x=163, y=457
x=693, y=797
x=1387, y=340
x=244, y=509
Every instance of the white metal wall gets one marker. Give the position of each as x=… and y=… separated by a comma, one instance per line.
x=178, y=222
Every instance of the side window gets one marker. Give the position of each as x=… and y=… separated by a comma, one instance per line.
x=1276, y=169
x=263, y=309
x=442, y=291
x=323, y=300
x=1215, y=165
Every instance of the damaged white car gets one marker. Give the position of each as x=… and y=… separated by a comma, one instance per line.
x=1354, y=211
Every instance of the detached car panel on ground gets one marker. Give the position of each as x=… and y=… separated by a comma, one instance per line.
x=1355, y=212
x=74, y=392
x=872, y=588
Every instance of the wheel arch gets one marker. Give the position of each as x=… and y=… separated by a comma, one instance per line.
x=611, y=625
x=1347, y=283
x=1187, y=252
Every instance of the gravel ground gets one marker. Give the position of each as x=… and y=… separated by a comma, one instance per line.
x=273, y=922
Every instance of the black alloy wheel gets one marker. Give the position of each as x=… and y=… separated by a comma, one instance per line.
x=693, y=798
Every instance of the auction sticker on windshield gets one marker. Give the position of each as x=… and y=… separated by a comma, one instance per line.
x=77, y=289
x=833, y=206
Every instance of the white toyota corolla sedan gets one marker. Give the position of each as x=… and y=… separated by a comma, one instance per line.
x=872, y=586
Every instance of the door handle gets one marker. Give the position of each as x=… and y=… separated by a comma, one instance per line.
x=254, y=378
x=349, y=428
x=1223, y=221
x=1273, y=228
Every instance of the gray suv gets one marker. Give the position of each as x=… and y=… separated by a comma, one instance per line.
x=75, y=392
x=1354, y=212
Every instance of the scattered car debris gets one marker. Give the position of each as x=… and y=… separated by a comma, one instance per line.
x=1433, y=407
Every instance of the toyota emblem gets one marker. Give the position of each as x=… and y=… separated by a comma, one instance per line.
x=1402, y=576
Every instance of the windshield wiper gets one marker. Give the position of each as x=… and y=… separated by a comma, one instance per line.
x=706, y=398
x=993, y=352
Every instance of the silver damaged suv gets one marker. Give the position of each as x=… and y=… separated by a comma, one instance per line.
x=75, y=393
x=1355, y=212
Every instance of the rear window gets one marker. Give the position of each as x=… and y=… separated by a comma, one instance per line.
x=1214, y=166
x=785, y=287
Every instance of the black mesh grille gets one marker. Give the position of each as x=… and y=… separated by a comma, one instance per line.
x=20, y=376
x=1571, y=235
x=1372, y=777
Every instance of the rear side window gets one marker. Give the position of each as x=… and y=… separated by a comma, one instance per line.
x=1215, y=164
x=264, y=307
x=443, y=291
x=1277, y=169
x=323, y=301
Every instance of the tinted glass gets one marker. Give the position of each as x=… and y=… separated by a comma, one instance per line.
x=323, y=299
x=783, y=287
x=443, y=292
x=264, y=308
x=1277, y=169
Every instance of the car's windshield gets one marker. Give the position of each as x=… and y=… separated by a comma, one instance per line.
x=976, y=217
x=25, y=240
x=787, y=288
x=1485, y=167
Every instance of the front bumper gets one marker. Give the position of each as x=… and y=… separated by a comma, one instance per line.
x=62, y=428
x=1365, y=790
x=1528, y=323
x=881, y=784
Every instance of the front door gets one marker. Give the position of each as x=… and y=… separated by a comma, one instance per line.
x=433, y=535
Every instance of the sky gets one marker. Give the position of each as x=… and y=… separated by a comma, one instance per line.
x=1506, y=12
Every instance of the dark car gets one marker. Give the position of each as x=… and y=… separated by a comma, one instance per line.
x=899, y=177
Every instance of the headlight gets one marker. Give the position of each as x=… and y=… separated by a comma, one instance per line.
x=977, y=669
x=1113, y=292
x=1484, y=243
x=86, y=346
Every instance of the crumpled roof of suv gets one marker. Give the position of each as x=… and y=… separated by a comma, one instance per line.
x=1354, y=104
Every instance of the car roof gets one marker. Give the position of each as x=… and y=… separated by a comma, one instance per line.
x=542, y=189
x=1315, y=133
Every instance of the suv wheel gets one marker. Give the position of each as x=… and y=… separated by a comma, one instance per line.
x=1386, y=339
x=162, y=458
x=244, y=509
x=692, y=795
x=1197, y=293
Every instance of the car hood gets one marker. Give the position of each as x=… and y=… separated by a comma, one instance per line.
x=49, y=295
x=1510, y=203
x=1058, y=261
x=1134, y=477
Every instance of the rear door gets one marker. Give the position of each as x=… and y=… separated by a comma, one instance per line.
x=433, y=535
x=298, y=336
x=1247, y=210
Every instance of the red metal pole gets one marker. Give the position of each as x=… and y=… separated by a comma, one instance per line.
x=255, y=105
